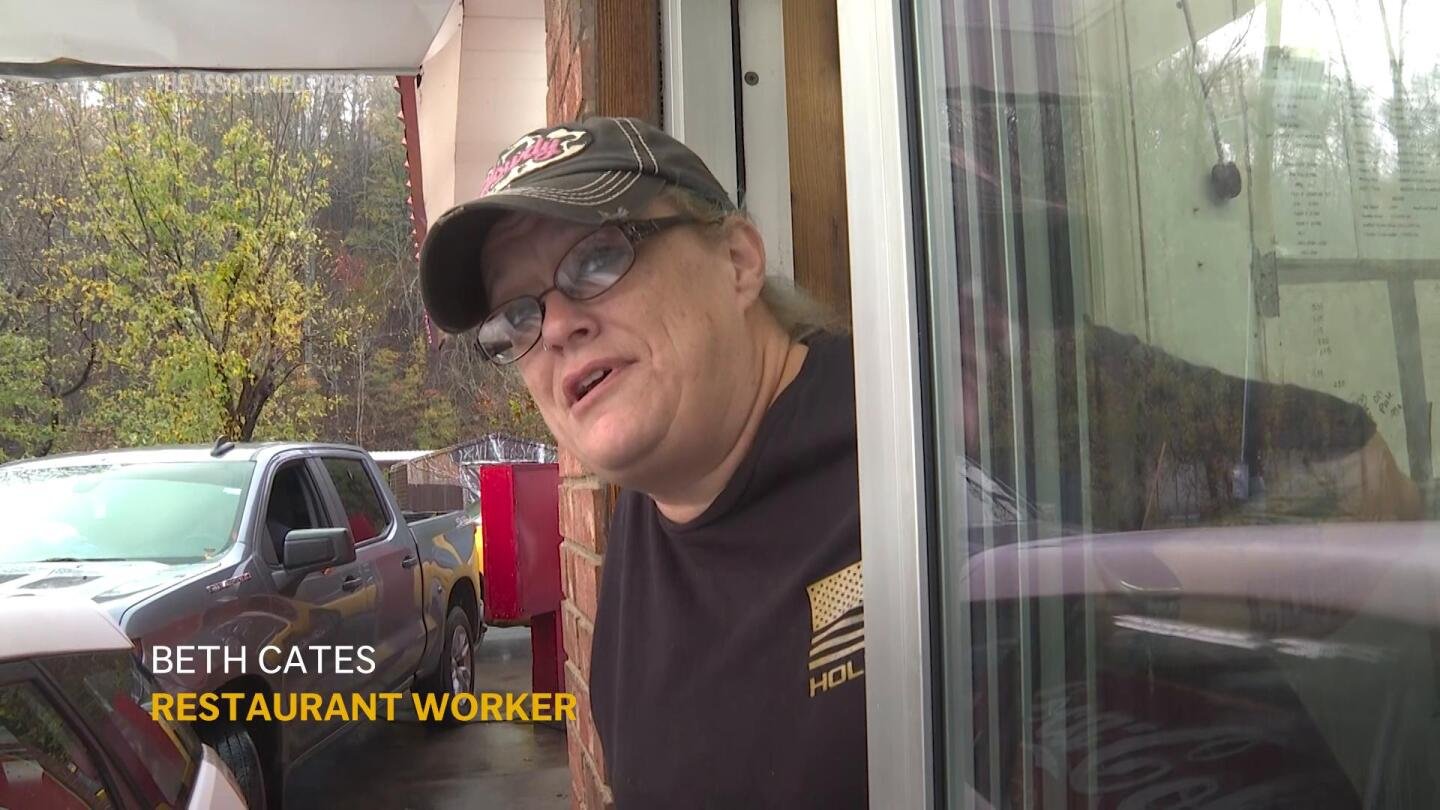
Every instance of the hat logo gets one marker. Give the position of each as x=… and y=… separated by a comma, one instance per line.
x=532, y=153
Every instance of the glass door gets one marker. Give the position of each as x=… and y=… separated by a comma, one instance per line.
x=1173, y=279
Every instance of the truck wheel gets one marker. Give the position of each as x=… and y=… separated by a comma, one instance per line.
x=456, y=672
x=235, y=746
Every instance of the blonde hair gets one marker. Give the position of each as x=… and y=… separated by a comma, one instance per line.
x=797, y=312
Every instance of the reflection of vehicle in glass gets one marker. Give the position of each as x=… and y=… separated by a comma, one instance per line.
x=1173, y=288
x=75, y=724
x=1278, y=666
x=267, y=552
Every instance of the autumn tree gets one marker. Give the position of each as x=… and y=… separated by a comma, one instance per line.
x=196, y=251
x=236, y=258
x=48, y=350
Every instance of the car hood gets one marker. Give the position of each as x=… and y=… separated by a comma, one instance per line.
x=113, y=585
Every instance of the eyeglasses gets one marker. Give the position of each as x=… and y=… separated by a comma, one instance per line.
x=594, y=265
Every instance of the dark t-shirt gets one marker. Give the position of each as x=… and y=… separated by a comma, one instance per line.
x=728, y=660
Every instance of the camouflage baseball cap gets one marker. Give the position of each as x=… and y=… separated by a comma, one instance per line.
x=591, y=172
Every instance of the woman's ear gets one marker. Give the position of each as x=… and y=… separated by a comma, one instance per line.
x=747, y=256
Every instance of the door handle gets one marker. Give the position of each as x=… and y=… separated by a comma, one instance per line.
x=350, y=584
x=410, y=561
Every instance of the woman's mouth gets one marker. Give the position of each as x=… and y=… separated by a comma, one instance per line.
x=582, y=387
x=591, y=380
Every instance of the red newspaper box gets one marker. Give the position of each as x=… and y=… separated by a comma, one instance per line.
x=520, y=542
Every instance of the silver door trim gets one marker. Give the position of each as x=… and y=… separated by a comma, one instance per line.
x=878, y=169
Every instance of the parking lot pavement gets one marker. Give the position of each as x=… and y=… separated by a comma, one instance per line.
x=410, y=766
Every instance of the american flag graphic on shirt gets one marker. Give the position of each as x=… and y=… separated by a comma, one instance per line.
x=837, y=617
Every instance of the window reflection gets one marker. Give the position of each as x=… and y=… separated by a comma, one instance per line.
x=158, y=756
x=43, y=763
x=1185, y=269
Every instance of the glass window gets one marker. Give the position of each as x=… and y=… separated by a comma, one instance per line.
x=110, y=689
x=43, y=763
x=1184, y=270
x=363, y=510
x=293, y=503
x=173, y=512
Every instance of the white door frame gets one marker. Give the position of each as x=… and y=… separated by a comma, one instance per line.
x=700, y=85
x=699, y=94
x=700, y=110
x=899, y=659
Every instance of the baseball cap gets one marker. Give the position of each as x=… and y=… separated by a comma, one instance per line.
x=593, y=171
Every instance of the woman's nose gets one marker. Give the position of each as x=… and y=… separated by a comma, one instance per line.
x=566, y=321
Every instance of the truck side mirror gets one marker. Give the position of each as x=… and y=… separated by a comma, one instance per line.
x=309, y=550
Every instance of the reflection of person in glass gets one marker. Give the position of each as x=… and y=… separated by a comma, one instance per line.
x=1166, y=442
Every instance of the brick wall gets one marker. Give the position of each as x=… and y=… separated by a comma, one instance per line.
x=584, y=503
x=607, y=69
x=603, y=59
x=584, y=518
x=569, y=47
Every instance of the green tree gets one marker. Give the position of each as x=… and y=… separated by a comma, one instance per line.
x=196, y=253
x=50, y=339
x=25, y=405
x=176, y=265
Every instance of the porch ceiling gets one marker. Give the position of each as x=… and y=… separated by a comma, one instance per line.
x=65, y=38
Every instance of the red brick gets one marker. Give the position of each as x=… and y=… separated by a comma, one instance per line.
x=584, y=717
x=596, y=792
x=585, y=792
x=585, y=640
x=574, y=739
x=578, y=635
x=552, y=68
x=566, y=31
x=594, y=797
x=567, y=627
x=584, y=721
x=558, y=44
x=567, y=104
x=584, y=81
x=579, y=639
x=565, y=39
x=585, y=513
x=572, y=83
x=567, y=570
x=578, y=567
x=579, y=773
x=567, y=631
x=570, y=466
x=597, y=754
x=577, y=513
x=585, y=574
x=576, y=684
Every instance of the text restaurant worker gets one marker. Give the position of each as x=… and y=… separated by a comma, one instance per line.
x=609, y=266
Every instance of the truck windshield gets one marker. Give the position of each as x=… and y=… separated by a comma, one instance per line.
x=171, y=512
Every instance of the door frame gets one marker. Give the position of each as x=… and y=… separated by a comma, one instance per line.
x=740, y=130
x=699, y=86
x=891, y=347
x=891, y=358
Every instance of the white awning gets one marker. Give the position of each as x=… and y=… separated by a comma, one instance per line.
x=484, y=86
x=66, y=38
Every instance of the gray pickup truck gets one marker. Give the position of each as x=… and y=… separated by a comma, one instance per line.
x=291, y=562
